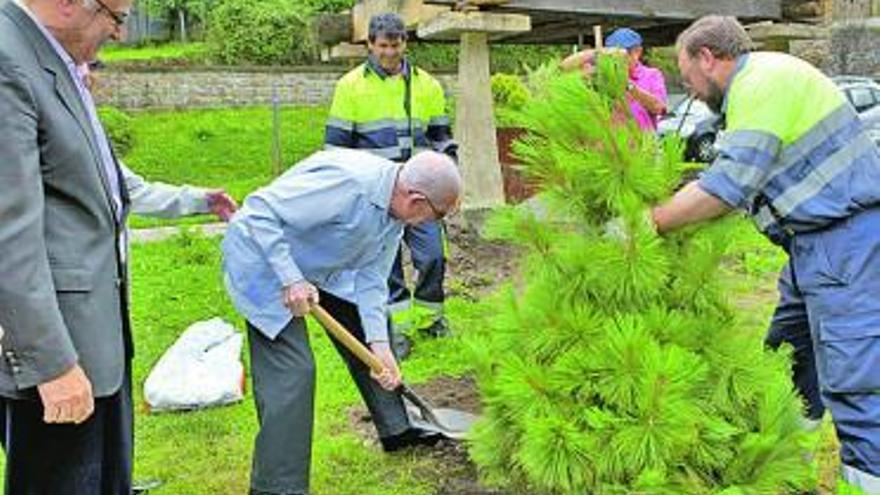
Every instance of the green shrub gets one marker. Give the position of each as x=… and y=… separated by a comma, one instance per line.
x=509, y=91
x=513, y=59
x=118, y=125
x=262, y=32
x=518, y=59
x=665, y=59
x=509, y=94
x=329, y=5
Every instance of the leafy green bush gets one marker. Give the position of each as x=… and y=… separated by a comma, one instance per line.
x=509, y=91
x=262, y=32
x=329, y=5
x=665, y=59
x=118, y=125
x=518, y=59
x=509, y=94
x=514, y=59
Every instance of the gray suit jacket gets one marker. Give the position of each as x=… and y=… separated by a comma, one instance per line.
x=62, y=283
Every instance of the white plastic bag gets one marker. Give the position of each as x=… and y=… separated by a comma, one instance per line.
x=202, y=369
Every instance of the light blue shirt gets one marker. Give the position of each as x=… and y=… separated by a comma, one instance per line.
x=326, y=221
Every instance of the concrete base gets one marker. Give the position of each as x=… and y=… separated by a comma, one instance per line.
x=475, y=123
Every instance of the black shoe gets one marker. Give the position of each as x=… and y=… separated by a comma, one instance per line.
x=437, y=329
x=410, y=438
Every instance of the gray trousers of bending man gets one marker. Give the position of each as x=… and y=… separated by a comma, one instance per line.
x=284, y=389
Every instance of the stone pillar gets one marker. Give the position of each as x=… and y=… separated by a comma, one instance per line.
x=474, y=121
x=474, y=125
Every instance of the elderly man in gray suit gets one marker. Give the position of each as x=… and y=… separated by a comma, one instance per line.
x=64, y=373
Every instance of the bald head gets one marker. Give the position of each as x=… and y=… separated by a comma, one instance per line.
x=436, y=176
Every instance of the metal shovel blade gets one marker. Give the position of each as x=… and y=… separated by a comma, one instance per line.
x=448, y=422
x=451, y=423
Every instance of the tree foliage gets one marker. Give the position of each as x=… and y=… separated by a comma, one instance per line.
x=262, y=32
x=327, y=5
x=180, y=15
x=616, y=367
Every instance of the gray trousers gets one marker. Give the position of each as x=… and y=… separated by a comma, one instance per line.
x=283, y=372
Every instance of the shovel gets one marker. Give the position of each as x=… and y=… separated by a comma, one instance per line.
x=451, y=423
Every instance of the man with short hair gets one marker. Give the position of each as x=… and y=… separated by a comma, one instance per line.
x=327, y=230
x=65, y=375
x=393, y=109
x=796, y=157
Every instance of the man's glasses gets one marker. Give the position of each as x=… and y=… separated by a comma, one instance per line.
x=117, y=17
x=438, y=213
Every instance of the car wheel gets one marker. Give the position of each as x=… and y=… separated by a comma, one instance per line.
x=704, y=148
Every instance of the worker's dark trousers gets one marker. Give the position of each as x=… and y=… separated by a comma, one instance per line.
x=790, y=326
x=283, y=372
x=425, y=242
x=836, y=272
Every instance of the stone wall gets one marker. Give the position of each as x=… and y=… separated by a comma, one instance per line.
x=851, y=9
x=138, y=88
x=852, y=49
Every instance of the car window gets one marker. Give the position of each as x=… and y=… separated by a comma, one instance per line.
x=861, y=98
x=680, y=107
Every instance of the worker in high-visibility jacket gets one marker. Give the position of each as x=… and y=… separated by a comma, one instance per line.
x=391, y=108
x=796, y=157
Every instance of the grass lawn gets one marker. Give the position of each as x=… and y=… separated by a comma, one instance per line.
x=160, y=52
x=229, y=148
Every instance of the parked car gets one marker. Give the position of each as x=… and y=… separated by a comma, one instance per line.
x=864, y=95
x=696, y=124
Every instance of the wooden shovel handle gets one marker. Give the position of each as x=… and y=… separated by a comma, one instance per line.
x=347, y=339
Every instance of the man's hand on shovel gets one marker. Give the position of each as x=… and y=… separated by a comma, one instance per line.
x=299, y=297
x=390, y=376
x=383, y=368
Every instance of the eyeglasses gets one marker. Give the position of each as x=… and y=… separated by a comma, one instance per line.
x=117, y=17
x=438, y=213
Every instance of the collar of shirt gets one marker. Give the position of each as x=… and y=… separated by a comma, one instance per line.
x=375, y=67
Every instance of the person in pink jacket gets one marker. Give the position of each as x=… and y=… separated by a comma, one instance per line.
x=646, y=88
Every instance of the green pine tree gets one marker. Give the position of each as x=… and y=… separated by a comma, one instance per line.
x=615, y=367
